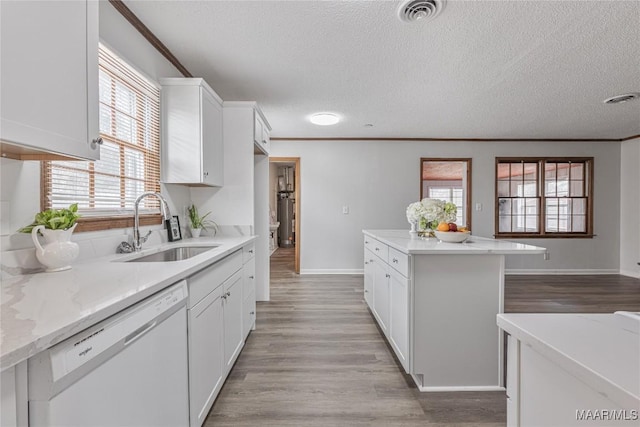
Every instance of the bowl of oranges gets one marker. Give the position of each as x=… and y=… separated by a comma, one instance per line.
x=449, y=232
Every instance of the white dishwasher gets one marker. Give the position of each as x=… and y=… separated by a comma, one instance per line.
x=128, y=370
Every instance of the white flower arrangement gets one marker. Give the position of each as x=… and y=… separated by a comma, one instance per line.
x=428, y=213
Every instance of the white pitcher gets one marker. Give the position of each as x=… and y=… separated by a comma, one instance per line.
x=58, y=251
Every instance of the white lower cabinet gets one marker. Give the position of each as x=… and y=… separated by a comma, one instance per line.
x=14, y=409
x=399, y=315
x=381, y=293
x=206, y=364
x=232, y=311
x=386, y=291
x=215, y=331
x=248, y=290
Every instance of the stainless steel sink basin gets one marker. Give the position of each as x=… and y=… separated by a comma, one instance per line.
x=179, y=253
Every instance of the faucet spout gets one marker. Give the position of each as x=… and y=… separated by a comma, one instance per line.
x=166, y=214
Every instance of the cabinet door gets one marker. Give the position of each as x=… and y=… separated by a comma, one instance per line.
x=232, y=309
x=381, y=294
x=399, y=316
x=248, y=314
x=368, y=278
x=212, y=143
x=266, y=138
x=49, y=78
x=206, y=355
x=248, y=278
x=257, y=129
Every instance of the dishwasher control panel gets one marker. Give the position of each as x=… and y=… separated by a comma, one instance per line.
x=114, y=333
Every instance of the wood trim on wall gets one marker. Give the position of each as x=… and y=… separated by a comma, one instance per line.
x=148, y=34
x=296, y=161
x=113, y=222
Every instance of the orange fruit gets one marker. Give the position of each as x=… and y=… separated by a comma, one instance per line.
x=443, y=226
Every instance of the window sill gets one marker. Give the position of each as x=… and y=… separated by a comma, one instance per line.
x=99, y=223
x=545, y=236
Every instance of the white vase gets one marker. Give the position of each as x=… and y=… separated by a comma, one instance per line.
x=59, y=251
x=414, y=231
x=195, y=232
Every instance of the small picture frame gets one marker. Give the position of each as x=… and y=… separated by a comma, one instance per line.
x=173, y=229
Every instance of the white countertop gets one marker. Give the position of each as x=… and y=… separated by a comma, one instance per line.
x=39, y=310
x=602, y=350
x=402, y=241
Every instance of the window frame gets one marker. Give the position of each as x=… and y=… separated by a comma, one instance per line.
x=542, y=233
x=120, y=218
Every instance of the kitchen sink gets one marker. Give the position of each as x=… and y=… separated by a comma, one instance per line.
x=179, y=253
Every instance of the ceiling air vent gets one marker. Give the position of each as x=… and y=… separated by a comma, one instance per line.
x=619, y=99
x=419, y=10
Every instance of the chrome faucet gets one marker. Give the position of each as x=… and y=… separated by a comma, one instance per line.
x=166, y=214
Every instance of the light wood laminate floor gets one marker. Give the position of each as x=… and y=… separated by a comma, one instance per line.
x=317, y=357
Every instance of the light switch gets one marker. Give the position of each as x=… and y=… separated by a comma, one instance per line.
x=478, y=207
x=345, y=210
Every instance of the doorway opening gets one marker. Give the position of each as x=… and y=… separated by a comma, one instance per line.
x=284, y=214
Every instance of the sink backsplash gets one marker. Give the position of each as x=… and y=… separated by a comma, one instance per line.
x=18, y=253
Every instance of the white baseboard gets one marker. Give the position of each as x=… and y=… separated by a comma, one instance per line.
x=518, y=271
x=332, y=271
x=635, y=274
x=428, y=389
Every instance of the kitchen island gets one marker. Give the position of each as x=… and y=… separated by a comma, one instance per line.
x=437, y=302
x=572, y=369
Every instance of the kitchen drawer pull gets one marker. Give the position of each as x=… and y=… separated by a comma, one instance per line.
x=250, y=251
x=98, y=140
x=228, y=294
x=252, y=312
x=395, y=260
x=377, y=249
x=387, y=275
x=366, y=242
x=250, y=277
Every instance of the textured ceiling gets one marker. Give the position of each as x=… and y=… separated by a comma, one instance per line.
x=481, y=69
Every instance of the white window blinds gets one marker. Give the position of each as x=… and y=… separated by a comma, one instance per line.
x=129, y=161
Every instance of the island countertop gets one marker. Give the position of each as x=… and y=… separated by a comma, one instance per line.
x=402, y=241
x=41, y=309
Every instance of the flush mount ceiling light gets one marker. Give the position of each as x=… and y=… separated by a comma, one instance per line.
x=419, y=10
x=619, y=99
x=324, y=119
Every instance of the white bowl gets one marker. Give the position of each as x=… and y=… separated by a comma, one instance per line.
x=452, y=236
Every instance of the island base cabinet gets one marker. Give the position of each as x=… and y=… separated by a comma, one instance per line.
x=206, y=364
x=550, y=396
x=399, y=316
x=457, y=344
x=381, y=294
x=368, y=278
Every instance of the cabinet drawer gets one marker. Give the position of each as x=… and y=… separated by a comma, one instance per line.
x=248, y=252
x=399, y=262
x=205, y=281
x=376, y=247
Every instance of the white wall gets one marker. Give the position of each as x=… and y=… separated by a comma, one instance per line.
x=378, y=179
x=20, y=191
x=630, y=208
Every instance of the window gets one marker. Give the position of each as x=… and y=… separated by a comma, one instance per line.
x=448, y=180
x=544, y=197
x=129, y=161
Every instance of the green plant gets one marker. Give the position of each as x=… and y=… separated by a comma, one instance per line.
x=197, y=221
x=54, y=219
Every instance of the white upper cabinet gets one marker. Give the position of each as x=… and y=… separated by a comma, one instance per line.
x=49, y=79
x=261, y=132
x=192, y=144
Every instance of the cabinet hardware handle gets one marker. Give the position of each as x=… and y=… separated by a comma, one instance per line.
x=395, y=260
x=206, y=174
x=366, y=242
x=252, y=312
x=250, y=277
x=251, y=251
x=366, y=262
x=377, y=249
x=223, y=296
x=370, y=260
x=387, y=275
x=98, y=140
x=228, y=294
x=366, y=291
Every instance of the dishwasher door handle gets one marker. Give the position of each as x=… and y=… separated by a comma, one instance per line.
x=140, y=332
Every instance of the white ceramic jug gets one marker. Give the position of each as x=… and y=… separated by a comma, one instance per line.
x=58, y=251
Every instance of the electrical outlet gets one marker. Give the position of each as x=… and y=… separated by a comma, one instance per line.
x=478, y=207
x=547, y=256
x=345, y=210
